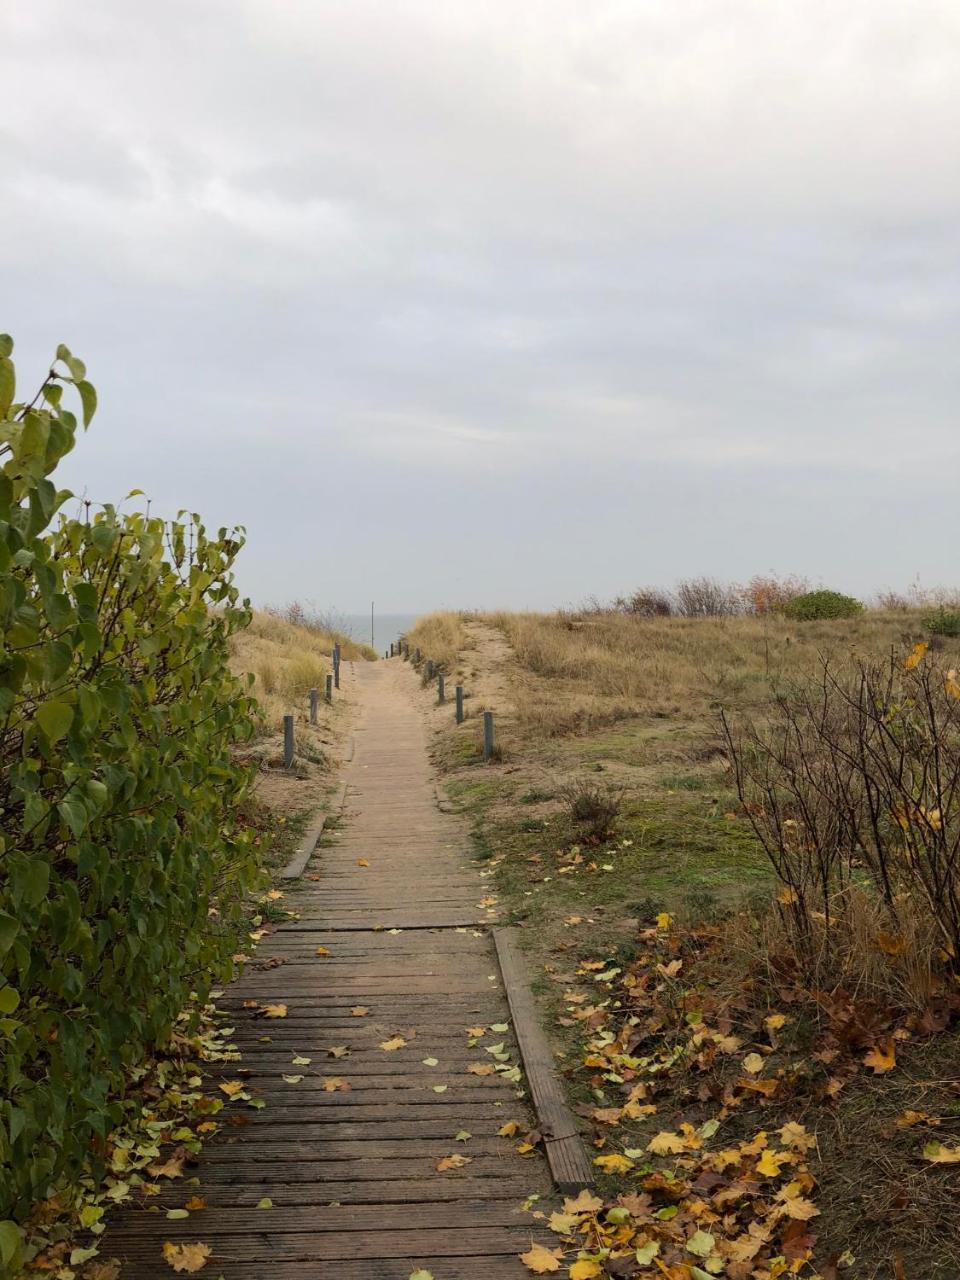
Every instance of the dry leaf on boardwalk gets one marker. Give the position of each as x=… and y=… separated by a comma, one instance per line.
x=541, y=1260
x=452, y=1162
x=388, y=1046
x=186, y=1257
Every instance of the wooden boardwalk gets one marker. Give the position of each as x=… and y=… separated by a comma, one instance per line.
x=352, y=1172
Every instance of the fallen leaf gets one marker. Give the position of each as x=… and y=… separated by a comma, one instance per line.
x=186, y=1257
x=585, y=1269
x=541, y=1260
x=452, y=1162
x=265, y=1203
x=614, y=1163
x=462, y=1136
x=322, y=951
x=753, y=1063
x=362, y=862
x=359, y=1011
x=388, y=1046
x=585, y=1202
x=509, y=1130
x=430, y=1062
x=274, y=1010
x=481, y=1069
x=936, y=1153
x=196, y=1202
x=881, y=1058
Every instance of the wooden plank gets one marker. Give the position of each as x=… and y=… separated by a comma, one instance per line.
x=478, y=1267
x=401, y=1190
x=334, y=1246
x=568, y=1160
x=297, y=864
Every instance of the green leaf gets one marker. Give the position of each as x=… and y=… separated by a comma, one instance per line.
x=10, y=1241
x=9, y=999
x=9, y=928
x=88, y=399
x=55, y=719
x=74, y=815
x=8, y=383
x=6, y=345
x=701, y=1244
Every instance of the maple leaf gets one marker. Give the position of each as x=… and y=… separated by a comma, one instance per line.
x=334, y=1084
x=481, y=1069
x=585, y=1202
x=666, y=1144
x=359, y=1011
x=907, y=1119
x=172, y=1167
x=196, y=1202
x=322, y=951
x=476, y=1032
x=753, y=1063
x=232, y=1087
x=541, y=1260
x=509, y=1130
x=452, y=1162
x=564, y=1224
x=274, y=1010
x=881, y=1058
x=585, y=1269
x=363, y=862
x=389, y=1046
x=769, y=1164
x=338, y=1051
x=186, y=1257
x=614, y=1163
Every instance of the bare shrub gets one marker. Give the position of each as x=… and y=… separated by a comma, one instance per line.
x=647, y=602
x=858, y=773
x=708, y=598
x=594, y=806
x=766, y=593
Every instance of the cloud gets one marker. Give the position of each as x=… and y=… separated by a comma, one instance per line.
x=456, y=254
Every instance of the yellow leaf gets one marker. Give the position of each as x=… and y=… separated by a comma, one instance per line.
x=509, y=1129
x=614, y=1163
x=362, y=862
x=476, y=1032
x=196, y=1202
x=186, y=1257
x=788, y=897
x=585, y=1202
x=950, y=684
x=664, y=920
x=882, y=1058
x=936, y=1153
x=452, y=1162
x=916, y=654
x=666, y=1144
x=388, y=1046
x=359, y=1011
x=541, y=1260
x=232, y=1087
x=564, y=1224
x=769, y=1164
x=481, y=1069
x=909, y=1118
x=323, y=951
x=584, y=1270
x=274, y=1010
x=775, y=1021
x=753, y=1063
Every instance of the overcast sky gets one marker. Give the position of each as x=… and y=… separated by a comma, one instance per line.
x=483, y=302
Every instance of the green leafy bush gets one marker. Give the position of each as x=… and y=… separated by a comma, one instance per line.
x=822, y=604
x=122, y=866
x=943, y=622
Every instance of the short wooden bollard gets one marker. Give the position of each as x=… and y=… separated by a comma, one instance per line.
x=430, y=669
x=336, y=676
x=288, y=742
x=487, y=736
x=328, y=691
x=406, y=652
x=458, y=695
x=313, y=706
x=416, y=656
x=441, y=690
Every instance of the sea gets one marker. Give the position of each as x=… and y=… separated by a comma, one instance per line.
x=387, y=627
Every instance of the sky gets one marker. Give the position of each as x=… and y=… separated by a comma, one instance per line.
x=512, y=303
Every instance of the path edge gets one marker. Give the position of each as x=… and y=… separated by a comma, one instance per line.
x=569, y=1163
x=294, y=869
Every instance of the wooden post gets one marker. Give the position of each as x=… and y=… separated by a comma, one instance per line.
x=406, y=652
x=313, y=706
x=487, y=736
x=336, y=676
x=328, y=691
x=288, y=742
x=441, y=691
x=458, y=693
x=416, y=656
x=430, y=669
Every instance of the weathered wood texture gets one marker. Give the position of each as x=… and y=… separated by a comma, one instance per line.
x=352, y=1172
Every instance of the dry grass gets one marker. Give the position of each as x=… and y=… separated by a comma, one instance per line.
x=287, y=661
x=440, y=637
x=598, y=668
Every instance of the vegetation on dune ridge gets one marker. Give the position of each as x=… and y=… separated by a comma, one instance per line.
x=746, y=938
